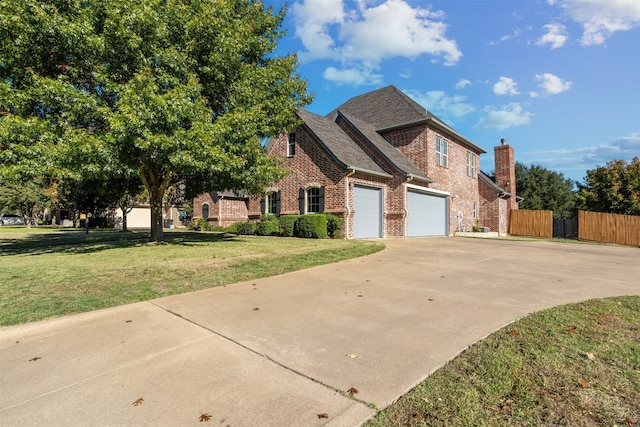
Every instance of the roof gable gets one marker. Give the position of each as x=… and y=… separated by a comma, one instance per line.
x=394, y=156
x=383, y=108
x=341, y=147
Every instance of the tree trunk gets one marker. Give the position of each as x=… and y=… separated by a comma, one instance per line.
x=124, y=220
x=155, y=200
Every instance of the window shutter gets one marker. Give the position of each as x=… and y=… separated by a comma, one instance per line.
x=278, y=202
x=322, y=199
x=263, y=205
x=301, y=201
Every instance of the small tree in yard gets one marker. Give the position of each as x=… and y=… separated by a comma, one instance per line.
x=169, y=90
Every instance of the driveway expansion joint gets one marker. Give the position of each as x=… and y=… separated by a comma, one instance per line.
x=343, y=393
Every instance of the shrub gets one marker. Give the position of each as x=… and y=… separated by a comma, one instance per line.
x=267, y=228
x=286, y=223
x=268, y=217
x=246, y=228
x=334, y=226
x=311, y=226
x=233, y=228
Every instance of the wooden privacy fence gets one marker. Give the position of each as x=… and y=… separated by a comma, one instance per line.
x=531, y=223
x=609, y=228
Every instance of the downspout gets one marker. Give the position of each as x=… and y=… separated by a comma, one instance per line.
x=405, y=208
x=346, y=185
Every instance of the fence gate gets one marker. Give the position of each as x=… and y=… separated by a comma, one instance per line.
x=565, y=228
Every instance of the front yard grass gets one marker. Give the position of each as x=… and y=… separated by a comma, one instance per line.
x=46, y=273
x=574, y=365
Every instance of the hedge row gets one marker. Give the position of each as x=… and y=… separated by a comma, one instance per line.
x=312, y=226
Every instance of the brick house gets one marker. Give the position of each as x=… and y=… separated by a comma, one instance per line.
x=389, y=168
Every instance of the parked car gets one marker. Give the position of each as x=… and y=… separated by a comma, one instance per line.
x=11, y=219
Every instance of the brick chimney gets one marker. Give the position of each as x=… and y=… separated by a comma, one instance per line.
x=506, y=170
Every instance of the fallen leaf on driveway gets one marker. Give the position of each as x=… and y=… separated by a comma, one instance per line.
x=256, y=309
x=323, y=415
x=204, y=418
x=138, y=402
x=353, y=391
x=35, y=359
x=352, y=356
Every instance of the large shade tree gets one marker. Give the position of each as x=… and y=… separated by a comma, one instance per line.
x=170, y=90
x=544, y=189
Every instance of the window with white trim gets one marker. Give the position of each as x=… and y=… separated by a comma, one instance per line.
x=471, y=164
x=291, y=145
x=442, y=152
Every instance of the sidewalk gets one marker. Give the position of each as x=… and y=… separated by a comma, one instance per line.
x=285, y=350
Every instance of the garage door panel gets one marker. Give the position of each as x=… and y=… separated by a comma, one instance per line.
x=427, y=214
x=367, y=206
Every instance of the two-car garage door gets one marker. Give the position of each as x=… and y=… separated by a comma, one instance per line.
x=427, y=214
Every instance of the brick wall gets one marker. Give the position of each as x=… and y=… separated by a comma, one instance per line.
x=309, y=166
x=223, y=211
x=418, y=144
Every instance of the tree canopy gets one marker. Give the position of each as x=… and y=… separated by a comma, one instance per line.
x=614, y=188
x=543, y=189
x=169, y=90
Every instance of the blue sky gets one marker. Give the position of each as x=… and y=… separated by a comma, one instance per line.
x=559, y=79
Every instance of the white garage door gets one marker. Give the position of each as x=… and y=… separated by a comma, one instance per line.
x=427, y=214
x=367, y=208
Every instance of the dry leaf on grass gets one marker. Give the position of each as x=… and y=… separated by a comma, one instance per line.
x=591, y=356
x=513, y=332
x=584, y=383
x=571, y=329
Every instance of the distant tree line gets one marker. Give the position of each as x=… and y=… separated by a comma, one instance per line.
x=614, y=188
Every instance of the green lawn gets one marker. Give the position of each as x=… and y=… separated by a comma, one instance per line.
x=575, y=365
x=53, y=272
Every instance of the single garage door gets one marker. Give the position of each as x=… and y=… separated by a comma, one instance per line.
x=427, y=214
x=367, y=208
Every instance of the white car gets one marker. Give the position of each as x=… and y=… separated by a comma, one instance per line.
x=11, y=219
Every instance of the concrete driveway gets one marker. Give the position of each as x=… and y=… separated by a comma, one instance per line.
x=284, y=351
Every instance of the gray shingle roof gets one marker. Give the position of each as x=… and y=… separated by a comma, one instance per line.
x=398, y=160
x=491, y=183
x=389, y=108
x=339, y=145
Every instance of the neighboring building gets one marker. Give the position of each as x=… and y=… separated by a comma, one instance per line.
x=222, y=208
x=389, y=168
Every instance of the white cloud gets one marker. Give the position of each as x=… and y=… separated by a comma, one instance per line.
x=552, y=85
x=351, y=76
x=601, y=18
x=505, y=86
x=365, y=36
x=555, y=36
x=442, y=105
x=462, y=83
x=508, y=116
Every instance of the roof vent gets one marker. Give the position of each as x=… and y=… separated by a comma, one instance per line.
x=503, y=141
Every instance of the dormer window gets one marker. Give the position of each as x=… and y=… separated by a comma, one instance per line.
x=291, y=146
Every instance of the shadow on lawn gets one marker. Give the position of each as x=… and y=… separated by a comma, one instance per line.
x=77, y=242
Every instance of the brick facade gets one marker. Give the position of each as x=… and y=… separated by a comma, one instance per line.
x=223, y=210
x=471, y=201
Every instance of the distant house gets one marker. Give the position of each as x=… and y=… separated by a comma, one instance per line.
x=386, y=165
